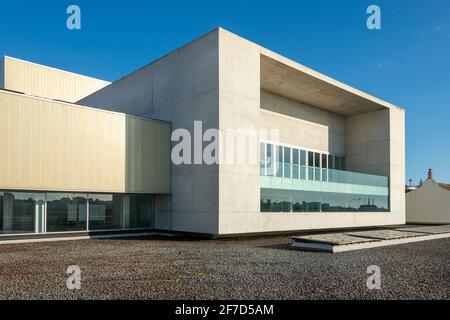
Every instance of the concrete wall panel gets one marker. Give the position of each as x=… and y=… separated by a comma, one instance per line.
x=239, y=110
x=302, y=125
x=368, y=142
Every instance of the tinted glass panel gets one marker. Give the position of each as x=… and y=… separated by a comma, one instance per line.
x=317, y=174
x=140, y=212
x=324, y=161
x=66, y=212
x=317, y=160
x=273, y=200
x=262, y=159
x=303, y=157
x=303, y=172
x=105, y=211
x=324, y=174
x=342, y=163
x=287, y=162
x=324, y=166
x=279, y=161
x=330, y=162
x=287, y=155
x=310, y=159
x=21, y=212
x=295, y=166
x=337, y=163
x=303, y=164
x=269, y=160
x=295, y=156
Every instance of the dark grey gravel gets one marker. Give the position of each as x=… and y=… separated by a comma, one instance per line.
x=258, y=268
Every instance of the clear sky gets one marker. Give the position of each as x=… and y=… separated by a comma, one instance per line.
x=407, y=62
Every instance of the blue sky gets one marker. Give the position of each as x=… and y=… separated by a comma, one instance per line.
x=407, y=62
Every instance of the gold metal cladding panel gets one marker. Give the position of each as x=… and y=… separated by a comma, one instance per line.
x=36, y=80
x=52, y=146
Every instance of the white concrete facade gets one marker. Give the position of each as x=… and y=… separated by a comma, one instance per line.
x=228, y=82
x=181, y=87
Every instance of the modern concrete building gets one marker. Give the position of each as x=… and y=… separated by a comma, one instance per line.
x=70, y=169
x=429, y=204
x=334, y=158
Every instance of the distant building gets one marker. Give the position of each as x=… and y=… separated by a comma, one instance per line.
x=430, y=203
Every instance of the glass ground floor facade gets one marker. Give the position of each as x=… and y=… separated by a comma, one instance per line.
x=276, y=200
x=52, y=212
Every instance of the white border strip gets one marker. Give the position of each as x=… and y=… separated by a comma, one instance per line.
x=111, y=236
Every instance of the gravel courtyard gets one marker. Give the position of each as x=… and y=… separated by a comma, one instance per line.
x=257, y=268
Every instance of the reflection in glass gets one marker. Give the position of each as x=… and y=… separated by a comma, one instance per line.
x=279, y=161
x=317, y=166
x=303, y=164
x=269, y=161
x=299, y=164
x=262, y=159
x=310, y=159
x=331, y=162
x=343, y=164
x=310, y=165
x=66, y=212
x=277, y=200
x=317, y=160
x=105, y=211
x=324, y=167
x=21, y=212
x=337, y=163
x=295, y=166
x=140, y=212
x=287, y=162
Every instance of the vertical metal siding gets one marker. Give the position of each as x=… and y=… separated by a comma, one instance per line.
x=47, y=145
x=41, y=81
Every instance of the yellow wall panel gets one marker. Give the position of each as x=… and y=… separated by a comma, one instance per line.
x=41, y=81
x=55, y=146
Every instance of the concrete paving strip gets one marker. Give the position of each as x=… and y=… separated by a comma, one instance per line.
x=428, y=229
x=333, y=239
x=93, y=237
x=385, y=234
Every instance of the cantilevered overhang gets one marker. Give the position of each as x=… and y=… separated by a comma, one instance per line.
x=287, y=78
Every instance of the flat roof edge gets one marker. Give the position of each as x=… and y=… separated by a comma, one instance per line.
x=80, y=106
x=5, y=57
x=168, y=54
